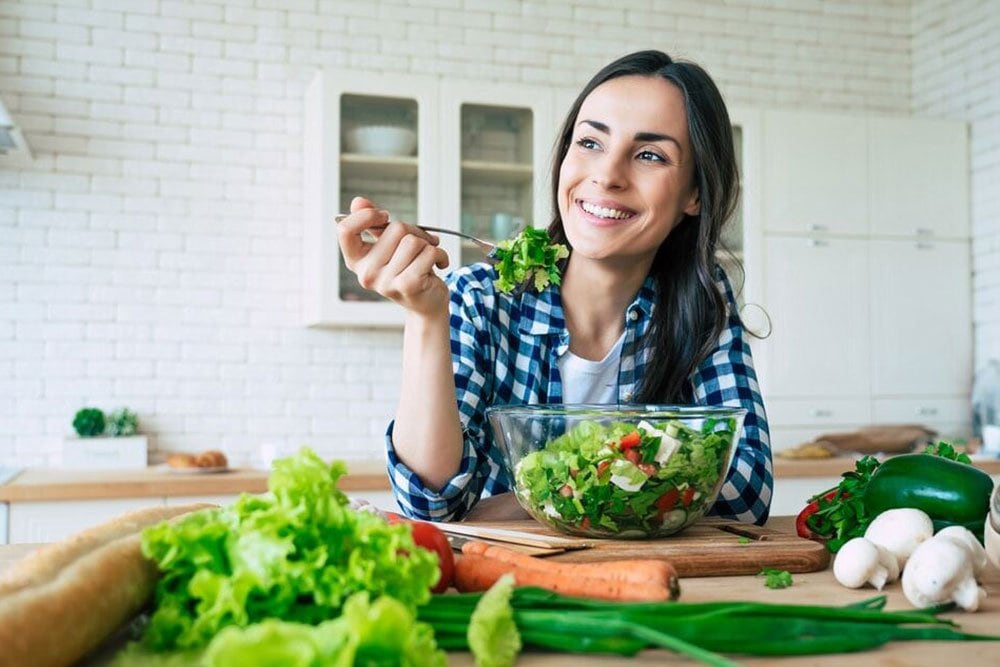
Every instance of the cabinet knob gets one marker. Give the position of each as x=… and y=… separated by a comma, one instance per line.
x=924, y=410
x=822, y=412
x=817, y=228
x=923, y=245
x=924, y=231
x=817, y=243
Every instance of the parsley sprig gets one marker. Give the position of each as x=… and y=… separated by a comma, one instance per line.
x=776, y=578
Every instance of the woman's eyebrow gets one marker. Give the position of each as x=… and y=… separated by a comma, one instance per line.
x=639, y=136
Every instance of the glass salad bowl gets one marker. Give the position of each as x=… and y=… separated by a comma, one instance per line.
x=632, y=471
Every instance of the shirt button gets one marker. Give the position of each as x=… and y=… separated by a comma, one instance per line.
x=633, y=315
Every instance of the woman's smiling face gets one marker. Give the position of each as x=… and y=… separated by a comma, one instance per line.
x=628, y=175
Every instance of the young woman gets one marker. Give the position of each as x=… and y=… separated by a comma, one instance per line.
x=643, y=180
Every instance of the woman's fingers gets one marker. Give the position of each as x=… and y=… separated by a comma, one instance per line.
x=349, y=232
x=418, y=274
x=359, y=203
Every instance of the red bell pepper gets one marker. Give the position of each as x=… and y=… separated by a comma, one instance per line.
x=802, y=523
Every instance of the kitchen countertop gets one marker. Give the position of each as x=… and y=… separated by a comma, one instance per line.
x=810, y=588
x=833, y=467
x=44, y=484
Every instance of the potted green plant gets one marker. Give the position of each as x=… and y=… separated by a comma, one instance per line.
x=106, y=441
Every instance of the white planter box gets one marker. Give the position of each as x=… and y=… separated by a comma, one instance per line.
x=106, y=452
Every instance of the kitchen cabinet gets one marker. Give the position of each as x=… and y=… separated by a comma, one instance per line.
x=919, y=185
x=48, y=521
x=494, y=149
x=815, y=173
x=817, y=298
x=336, y=104
x=869, y=295
x=480, y=164
x=921, y=309
x=36, y=522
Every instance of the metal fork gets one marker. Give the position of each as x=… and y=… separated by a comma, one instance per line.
x=488, y=248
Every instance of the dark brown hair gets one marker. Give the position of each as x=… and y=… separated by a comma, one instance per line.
x=690, y=312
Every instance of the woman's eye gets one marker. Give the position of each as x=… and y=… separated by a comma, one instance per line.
x=650, y=156
x=587, y=143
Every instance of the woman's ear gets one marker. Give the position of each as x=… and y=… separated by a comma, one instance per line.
x=693, y=206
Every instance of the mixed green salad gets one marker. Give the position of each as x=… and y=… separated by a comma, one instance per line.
x=626, y=479
x=528, y=257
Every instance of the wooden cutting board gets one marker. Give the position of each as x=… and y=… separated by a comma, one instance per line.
x=711, y=547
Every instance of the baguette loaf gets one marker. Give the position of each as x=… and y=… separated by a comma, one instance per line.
x=59, y=603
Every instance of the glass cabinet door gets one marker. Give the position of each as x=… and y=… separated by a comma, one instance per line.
x=497, y=192
x=378, y=158
x=496, y=184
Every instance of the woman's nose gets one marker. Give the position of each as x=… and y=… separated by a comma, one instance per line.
x=609, y=172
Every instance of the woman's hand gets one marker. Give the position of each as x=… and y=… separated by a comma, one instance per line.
x=399, y=265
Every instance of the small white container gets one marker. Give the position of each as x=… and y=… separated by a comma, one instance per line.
x=381, y=140
x=107, y=453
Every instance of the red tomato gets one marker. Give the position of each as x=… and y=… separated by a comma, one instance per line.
x=630, y=440
x=633, y=456
x=667, y=501
x=428, y=536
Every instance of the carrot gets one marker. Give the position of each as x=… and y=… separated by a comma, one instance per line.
x=638, y=571
x=478, y=573
x=478, y=568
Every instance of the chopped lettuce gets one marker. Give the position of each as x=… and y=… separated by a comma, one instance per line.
x=492, y=634
x=529, y=257
x=297, y=553
x=625, y=478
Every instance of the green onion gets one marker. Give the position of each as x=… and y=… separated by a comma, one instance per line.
x=699, y=631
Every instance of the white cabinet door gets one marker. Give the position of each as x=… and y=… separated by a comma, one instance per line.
x=921, y=318
x=338, y=102
x=816, y=294
x=919, y=177
x=815, y=173
x=35, y=522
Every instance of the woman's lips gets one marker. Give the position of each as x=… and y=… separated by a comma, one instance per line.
x=604, y=213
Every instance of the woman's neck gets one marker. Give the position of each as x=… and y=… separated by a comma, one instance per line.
x=594, y=298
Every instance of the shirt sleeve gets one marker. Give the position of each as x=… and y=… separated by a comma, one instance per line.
x=727, y=378
x=481, y=472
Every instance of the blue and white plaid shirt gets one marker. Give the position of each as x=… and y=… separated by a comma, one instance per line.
x=504, y=350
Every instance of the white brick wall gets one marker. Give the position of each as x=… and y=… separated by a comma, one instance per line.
x=150, y=256
x=956, y=73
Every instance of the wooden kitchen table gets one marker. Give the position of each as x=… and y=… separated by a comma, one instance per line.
x=810, y=588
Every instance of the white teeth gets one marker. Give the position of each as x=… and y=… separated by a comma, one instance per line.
x=603, y=212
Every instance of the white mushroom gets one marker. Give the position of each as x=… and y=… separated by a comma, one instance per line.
x=992, y=541
x=861, y=562
x=940, y=570
x=900, y=531
x=965, y=537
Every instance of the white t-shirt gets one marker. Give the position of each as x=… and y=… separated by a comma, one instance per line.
x=585, y=381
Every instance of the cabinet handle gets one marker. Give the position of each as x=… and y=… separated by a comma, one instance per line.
x=817, y=228
x=924, y=410
x=817, y=243
x=922, y=245
x=822, y=412
x=924, y=231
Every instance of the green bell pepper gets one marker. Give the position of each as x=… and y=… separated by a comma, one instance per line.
x=950, y=493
